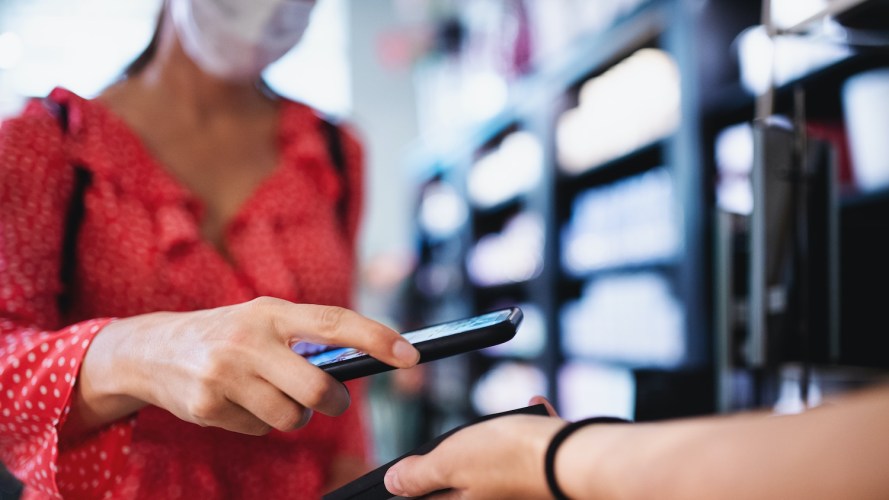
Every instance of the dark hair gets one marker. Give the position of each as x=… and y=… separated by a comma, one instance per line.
x=142, y=60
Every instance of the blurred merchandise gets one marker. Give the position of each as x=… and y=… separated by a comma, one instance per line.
x=633, y=319
x=734, y=162
x=834, y=132
x=508, y=385
x=590, y=389
x=513, y=255
x=559, y=23
x=634, y=103
x=511, y=169
x=632, y=221
x=469, y=61
x=437, y=279
x=787, y=13
x=790, y=399
x=530, y=339
x=866, y=109
x=776, y=61
x=454, y=100
x=823, y=384
x=442, y=210
x=474, y=51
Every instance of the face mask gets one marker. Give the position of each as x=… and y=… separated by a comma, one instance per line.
x=236, y=39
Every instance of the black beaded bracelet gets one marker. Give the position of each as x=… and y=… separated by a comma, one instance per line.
x=549, y=462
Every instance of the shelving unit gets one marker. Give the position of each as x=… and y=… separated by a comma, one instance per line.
x=706, y=276
x=817, y=330
x=538, y=102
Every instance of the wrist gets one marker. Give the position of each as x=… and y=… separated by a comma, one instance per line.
x=114, y=371
x=126, y=355
x=536, y=443
x=562, y=449
x=100, y=393
x=99, y=379
x=521, y=444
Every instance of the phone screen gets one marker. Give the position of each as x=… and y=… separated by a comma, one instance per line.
x=433, y=332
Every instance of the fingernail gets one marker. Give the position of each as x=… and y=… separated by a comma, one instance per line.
x=307, y=415
x=347, y=401
x=404, y=351
x=392, y=482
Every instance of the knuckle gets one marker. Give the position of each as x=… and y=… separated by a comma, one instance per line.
x=257, y=429
x=205, y=410
x=258, y=305
x=261, y=301
x=315, y=396
x=332, y=319
x=211, y=373
x=255, y=314
x=289, y=419
x=324, y=393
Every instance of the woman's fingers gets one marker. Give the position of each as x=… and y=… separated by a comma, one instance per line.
x=232, y=367
x=303, y=382
x=270, y=405
x=331, y=325
x=232, y=417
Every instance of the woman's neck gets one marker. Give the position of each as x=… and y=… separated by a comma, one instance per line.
x=180, y=83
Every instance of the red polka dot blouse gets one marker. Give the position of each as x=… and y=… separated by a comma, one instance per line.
x=139, y=250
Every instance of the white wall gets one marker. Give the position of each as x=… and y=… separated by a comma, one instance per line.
x=383, y=108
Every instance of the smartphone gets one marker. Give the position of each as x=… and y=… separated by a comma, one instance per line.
x=433, y=342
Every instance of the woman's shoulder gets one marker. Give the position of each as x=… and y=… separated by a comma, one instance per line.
x=46, y=116
x=37, y=126
x=32, y=149
x=50, y=129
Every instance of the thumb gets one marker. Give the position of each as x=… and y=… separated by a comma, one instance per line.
x=540, y=400
x=415, y=476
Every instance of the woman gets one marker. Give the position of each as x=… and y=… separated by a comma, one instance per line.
x=205, y=193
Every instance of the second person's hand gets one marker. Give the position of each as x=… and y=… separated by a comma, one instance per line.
x=497, y=458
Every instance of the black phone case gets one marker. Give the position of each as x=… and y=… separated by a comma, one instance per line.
x=370, y=486
x=434, y=349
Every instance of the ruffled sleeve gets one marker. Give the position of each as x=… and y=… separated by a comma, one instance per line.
x=39, y=357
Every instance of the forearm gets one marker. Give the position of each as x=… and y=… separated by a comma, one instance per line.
x=829, y=452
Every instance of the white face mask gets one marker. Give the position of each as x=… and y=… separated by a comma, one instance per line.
x=236, y=39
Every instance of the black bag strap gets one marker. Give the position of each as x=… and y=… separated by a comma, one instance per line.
x=333, y=137
x=76, y=209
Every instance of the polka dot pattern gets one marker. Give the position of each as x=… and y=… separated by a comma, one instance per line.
x=29, y=420
x=139, y=250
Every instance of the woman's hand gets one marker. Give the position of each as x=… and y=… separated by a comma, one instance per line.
x=497, y=458
x=230, y=367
